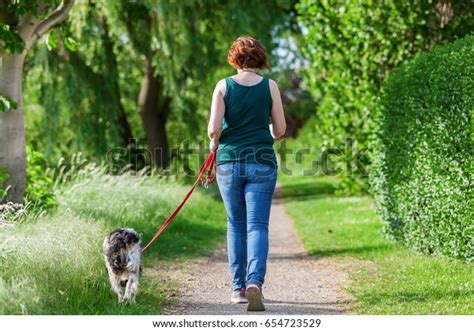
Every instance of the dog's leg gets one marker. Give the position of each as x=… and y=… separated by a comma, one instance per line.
x=115, y=283
x=127, y=295
x=133, y=273
x=133, y=286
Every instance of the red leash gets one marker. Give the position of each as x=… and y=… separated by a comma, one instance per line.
x=207, y=175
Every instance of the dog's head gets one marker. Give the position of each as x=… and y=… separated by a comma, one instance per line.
x=130, y=238
x=123, y=238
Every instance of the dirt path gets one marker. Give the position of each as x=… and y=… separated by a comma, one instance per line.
x=296, y=283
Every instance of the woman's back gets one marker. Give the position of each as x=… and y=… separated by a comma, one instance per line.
x=245, y=134
x=242, y=108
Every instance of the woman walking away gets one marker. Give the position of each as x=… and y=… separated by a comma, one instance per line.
x=246, y=116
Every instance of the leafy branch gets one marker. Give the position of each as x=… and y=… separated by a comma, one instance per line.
x=10, y=40
x=7, y=103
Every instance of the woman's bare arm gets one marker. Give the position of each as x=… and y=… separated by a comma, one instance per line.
x=278, y=126
x=217, y=114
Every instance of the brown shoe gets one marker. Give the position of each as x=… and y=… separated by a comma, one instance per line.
x=254, y=296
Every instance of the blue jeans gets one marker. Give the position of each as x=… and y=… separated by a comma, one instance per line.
x=247, y=190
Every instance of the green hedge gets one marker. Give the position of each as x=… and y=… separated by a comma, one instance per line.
x=422, y=170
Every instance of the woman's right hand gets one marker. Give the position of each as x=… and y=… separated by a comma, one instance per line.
x=213, y=145
x=217, y=114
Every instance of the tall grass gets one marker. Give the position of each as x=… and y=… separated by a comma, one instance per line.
x=52, y=264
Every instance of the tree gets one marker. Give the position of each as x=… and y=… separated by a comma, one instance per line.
x=182, y=45
x=76, y=100
x=88, y=99
x=352, y=47
x=22, y=23
x=104, y=83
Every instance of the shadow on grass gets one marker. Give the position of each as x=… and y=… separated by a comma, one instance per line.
x=184, y=239
x=308, y=190
x=194, y=232
x=151, y=300
x=353, y=251
x=312, y=189
x=430, y=295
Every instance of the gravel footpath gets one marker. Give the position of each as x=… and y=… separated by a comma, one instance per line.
x=295, y=283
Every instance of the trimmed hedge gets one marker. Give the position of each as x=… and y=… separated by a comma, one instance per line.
x=422, y=172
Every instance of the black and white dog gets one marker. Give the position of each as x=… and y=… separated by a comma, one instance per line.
x=122, y=253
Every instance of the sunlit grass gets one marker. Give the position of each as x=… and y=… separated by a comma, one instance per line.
x=395, y=280
x=52, y=264
x=144, y=205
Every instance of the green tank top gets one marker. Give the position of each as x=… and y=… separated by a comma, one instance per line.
x=245, y=135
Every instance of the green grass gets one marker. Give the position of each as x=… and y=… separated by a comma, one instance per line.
x=395, y=280
x=52, y=264
x=300, y=157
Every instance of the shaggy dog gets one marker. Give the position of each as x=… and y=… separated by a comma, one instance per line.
x=122, y=253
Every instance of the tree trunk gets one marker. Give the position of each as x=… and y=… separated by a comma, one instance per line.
x=125, y=130
x=154, y=111
x=12, y=129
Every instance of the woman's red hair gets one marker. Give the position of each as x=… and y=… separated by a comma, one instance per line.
x=247, y=52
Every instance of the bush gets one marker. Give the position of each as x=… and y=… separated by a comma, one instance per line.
x=352, y=46
x=423, y=151
x=3, y=178
x=39, y=185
